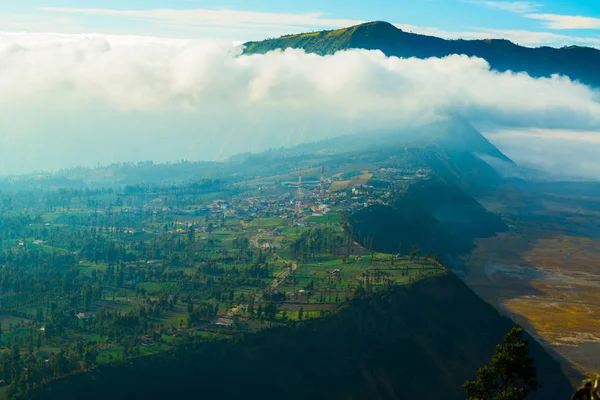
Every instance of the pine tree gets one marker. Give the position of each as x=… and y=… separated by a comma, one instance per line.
x=510, y=375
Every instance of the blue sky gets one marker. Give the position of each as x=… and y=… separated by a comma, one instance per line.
x=552, y=22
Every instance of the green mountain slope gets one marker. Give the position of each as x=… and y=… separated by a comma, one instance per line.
x=434, y=214
x=579, y=63
x=451, y=147
x=451, y=134
x=420, y=342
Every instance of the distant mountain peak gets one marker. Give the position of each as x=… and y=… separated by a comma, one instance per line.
x=376, y=29
x=379, y=25
x=578, y=63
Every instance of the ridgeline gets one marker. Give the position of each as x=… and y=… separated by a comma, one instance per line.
x=578, y=63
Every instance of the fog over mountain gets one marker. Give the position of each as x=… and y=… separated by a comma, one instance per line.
x=70, y=100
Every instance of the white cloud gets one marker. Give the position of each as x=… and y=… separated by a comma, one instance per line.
x=522, y=37
x=283, y=22
x=37, y=22
x=554, y=21
x=250, y=25
x=531, y=38
x=519, y=7
x=68, y=100
x=565, y=153
x=33, y=40
x=551, y=21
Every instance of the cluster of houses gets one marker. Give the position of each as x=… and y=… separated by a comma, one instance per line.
x=406, y=174
x=226, y=322
x=279, y=204
x=85, y=315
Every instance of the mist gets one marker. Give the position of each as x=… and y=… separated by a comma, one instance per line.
x=68, y=100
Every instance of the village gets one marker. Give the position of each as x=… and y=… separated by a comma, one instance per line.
x=148, y=267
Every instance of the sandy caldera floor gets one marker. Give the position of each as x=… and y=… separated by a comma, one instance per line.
x=549, y=283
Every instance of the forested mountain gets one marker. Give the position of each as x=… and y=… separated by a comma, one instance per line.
x=451, y=147
x=418, y=342
x=434, y=215
x=579, y=63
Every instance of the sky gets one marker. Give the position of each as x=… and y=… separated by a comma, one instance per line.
x=543, y=22
x=86, y=82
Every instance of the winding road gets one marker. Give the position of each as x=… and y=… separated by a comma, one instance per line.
x=272, y=286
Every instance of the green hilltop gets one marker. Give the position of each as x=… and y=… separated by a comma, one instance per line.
x=579, y=63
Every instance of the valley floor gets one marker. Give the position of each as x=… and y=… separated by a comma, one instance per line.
x=546, y=276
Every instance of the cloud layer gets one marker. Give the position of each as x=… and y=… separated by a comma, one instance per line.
x=554, y=21
x=219, y=17
x=519, y=7
x=252, y=25
x=67, y=100
x=566, y=154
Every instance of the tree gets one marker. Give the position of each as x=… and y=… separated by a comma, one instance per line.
x=510, y=375
x=415, y=252
x=87, y=297
x=250, y=309
x=126, y=351
x=15, y=352
x=190, y=234
x=589, y=390
x=89, y=358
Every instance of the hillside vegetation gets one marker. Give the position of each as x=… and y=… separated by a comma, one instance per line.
x=435, y=215
x=423, y=341
x=579, y=63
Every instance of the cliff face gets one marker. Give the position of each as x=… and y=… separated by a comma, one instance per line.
x=418, y=342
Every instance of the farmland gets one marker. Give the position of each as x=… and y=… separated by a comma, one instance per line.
x=102, y=277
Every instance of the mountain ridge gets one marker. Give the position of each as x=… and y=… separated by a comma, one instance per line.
x=436, y=214
x=451, y=146
x=576, y=62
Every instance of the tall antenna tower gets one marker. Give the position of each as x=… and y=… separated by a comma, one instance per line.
x=322, y=184
x=258, y=213
x=299, y=196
